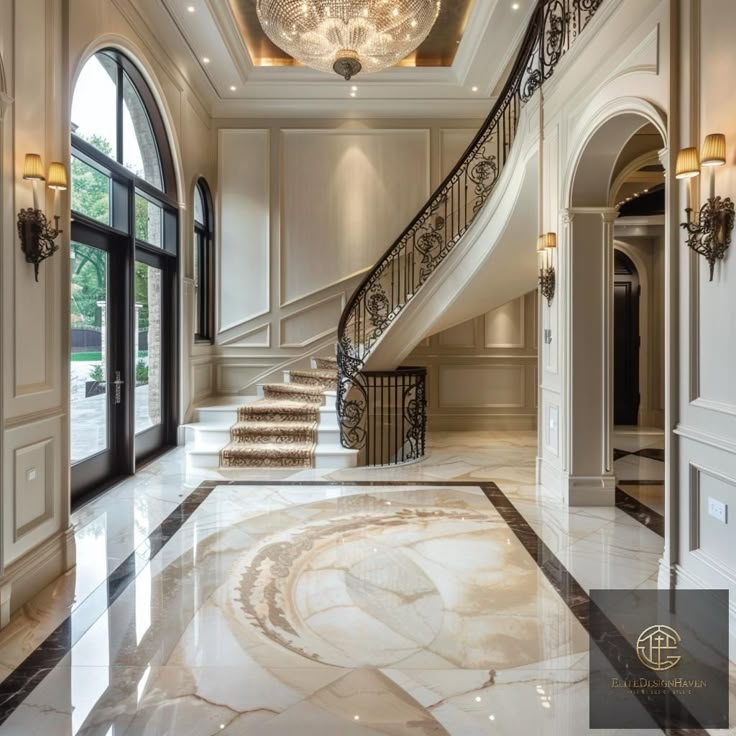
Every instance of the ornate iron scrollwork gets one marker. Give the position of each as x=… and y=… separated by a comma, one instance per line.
x=547, y=282
x=426, y=242
x=37, y=237
x=710, y=236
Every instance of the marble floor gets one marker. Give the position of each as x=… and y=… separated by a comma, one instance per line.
x=445, y=597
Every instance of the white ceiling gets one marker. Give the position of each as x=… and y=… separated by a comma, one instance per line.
x=231, y=86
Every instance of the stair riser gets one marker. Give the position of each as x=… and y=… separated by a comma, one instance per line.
x=208, y=440
x=336, y=460
x=219, y=416
x=328, y=436
x=209, y=460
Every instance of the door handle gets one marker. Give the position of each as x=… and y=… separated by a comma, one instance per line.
x=118, y=383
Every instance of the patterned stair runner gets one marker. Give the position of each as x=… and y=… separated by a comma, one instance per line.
x=280, y=430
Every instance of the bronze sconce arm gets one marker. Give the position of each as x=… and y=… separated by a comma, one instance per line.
x=710, y=235
x=37, y=236
x=546, y=245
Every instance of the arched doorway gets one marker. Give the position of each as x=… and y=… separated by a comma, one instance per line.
x=124, y=247
x=626, y=341
x=588, y=285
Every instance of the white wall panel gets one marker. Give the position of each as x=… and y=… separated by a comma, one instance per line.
x=347, y=195
x=489, y=386
x=32, y=479
x=505, y=326
x=244, y=272
x=453, y=142
x=460, y=336
x=311, y=323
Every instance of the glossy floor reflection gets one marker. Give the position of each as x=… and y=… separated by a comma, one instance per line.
x=322, y=609
x=151, y=633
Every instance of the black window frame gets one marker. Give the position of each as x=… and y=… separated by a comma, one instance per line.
x=203, y=248
x=136, y=448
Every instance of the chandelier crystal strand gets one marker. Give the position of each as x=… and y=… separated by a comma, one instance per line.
x=348, y=36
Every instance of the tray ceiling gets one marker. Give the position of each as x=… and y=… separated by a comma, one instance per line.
x=439, y=48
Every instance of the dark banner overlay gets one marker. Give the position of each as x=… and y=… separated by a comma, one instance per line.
x=659, y=659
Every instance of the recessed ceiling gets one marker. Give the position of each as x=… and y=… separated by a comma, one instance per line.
x=439, y=48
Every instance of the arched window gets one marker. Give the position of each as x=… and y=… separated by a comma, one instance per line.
x=203, y=263
x=125, y=231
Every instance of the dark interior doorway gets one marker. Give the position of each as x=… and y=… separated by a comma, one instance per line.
x=626, y=341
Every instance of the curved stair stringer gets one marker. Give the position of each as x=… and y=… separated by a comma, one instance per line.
x=494, y=262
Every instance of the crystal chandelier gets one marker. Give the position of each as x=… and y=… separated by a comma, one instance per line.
x=348, y=36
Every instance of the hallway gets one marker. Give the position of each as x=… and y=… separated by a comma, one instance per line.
x=181, y=578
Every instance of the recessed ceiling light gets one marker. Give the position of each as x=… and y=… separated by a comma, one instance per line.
x=515, y=6
x=352, y=94
x=354, y=88
x=206, y=59
x=475, y=89
x=190, y=8
x=233, y=88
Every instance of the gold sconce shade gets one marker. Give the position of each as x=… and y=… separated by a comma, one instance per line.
x=33, y=168
x=57, y=176
x=714, y=150
x=688, y=164
x=550, y=240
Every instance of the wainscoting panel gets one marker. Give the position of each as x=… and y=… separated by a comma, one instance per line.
x=484, y=386
x=482, y=374
x=346, y=197
x=202, y=382
x=505, y=327
x=32, y=475
x=244, y=226
x=312, y=323
x=460, y=336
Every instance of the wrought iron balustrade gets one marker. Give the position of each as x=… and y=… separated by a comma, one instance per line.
x=426, y=242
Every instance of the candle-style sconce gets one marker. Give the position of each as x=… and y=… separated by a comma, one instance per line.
x=710, y=234
x=37, y=236
x=546, y=243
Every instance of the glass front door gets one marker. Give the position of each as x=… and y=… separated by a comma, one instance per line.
x=98, y=372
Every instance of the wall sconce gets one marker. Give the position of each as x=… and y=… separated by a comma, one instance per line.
x=545, y=244
x=37, y=237
x=710, y=235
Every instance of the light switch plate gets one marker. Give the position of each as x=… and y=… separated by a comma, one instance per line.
x=718, y=510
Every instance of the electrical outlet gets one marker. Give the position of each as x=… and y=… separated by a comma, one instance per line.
x=718, y=510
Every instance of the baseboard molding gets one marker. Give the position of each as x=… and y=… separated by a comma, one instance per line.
x=34, y=571
x=549, y=478
x=480, y=422
x=589, y=490
x=683, y=578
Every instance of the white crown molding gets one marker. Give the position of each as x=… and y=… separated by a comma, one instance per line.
x=227, y=24
x=161, y=47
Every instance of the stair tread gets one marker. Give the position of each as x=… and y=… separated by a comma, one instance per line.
x=294, y=388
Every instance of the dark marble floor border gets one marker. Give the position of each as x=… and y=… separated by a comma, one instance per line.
x=24, y=678
x=33, y=669
x=640, y=512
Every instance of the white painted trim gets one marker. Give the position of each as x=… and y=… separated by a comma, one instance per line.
x=31, y=573
x=598, y=490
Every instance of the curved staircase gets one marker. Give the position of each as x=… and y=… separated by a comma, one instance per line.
x=422, y=274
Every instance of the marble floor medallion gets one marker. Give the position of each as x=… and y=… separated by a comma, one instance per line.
x=397, y=583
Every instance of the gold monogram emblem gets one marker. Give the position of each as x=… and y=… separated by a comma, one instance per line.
x=656, y=647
